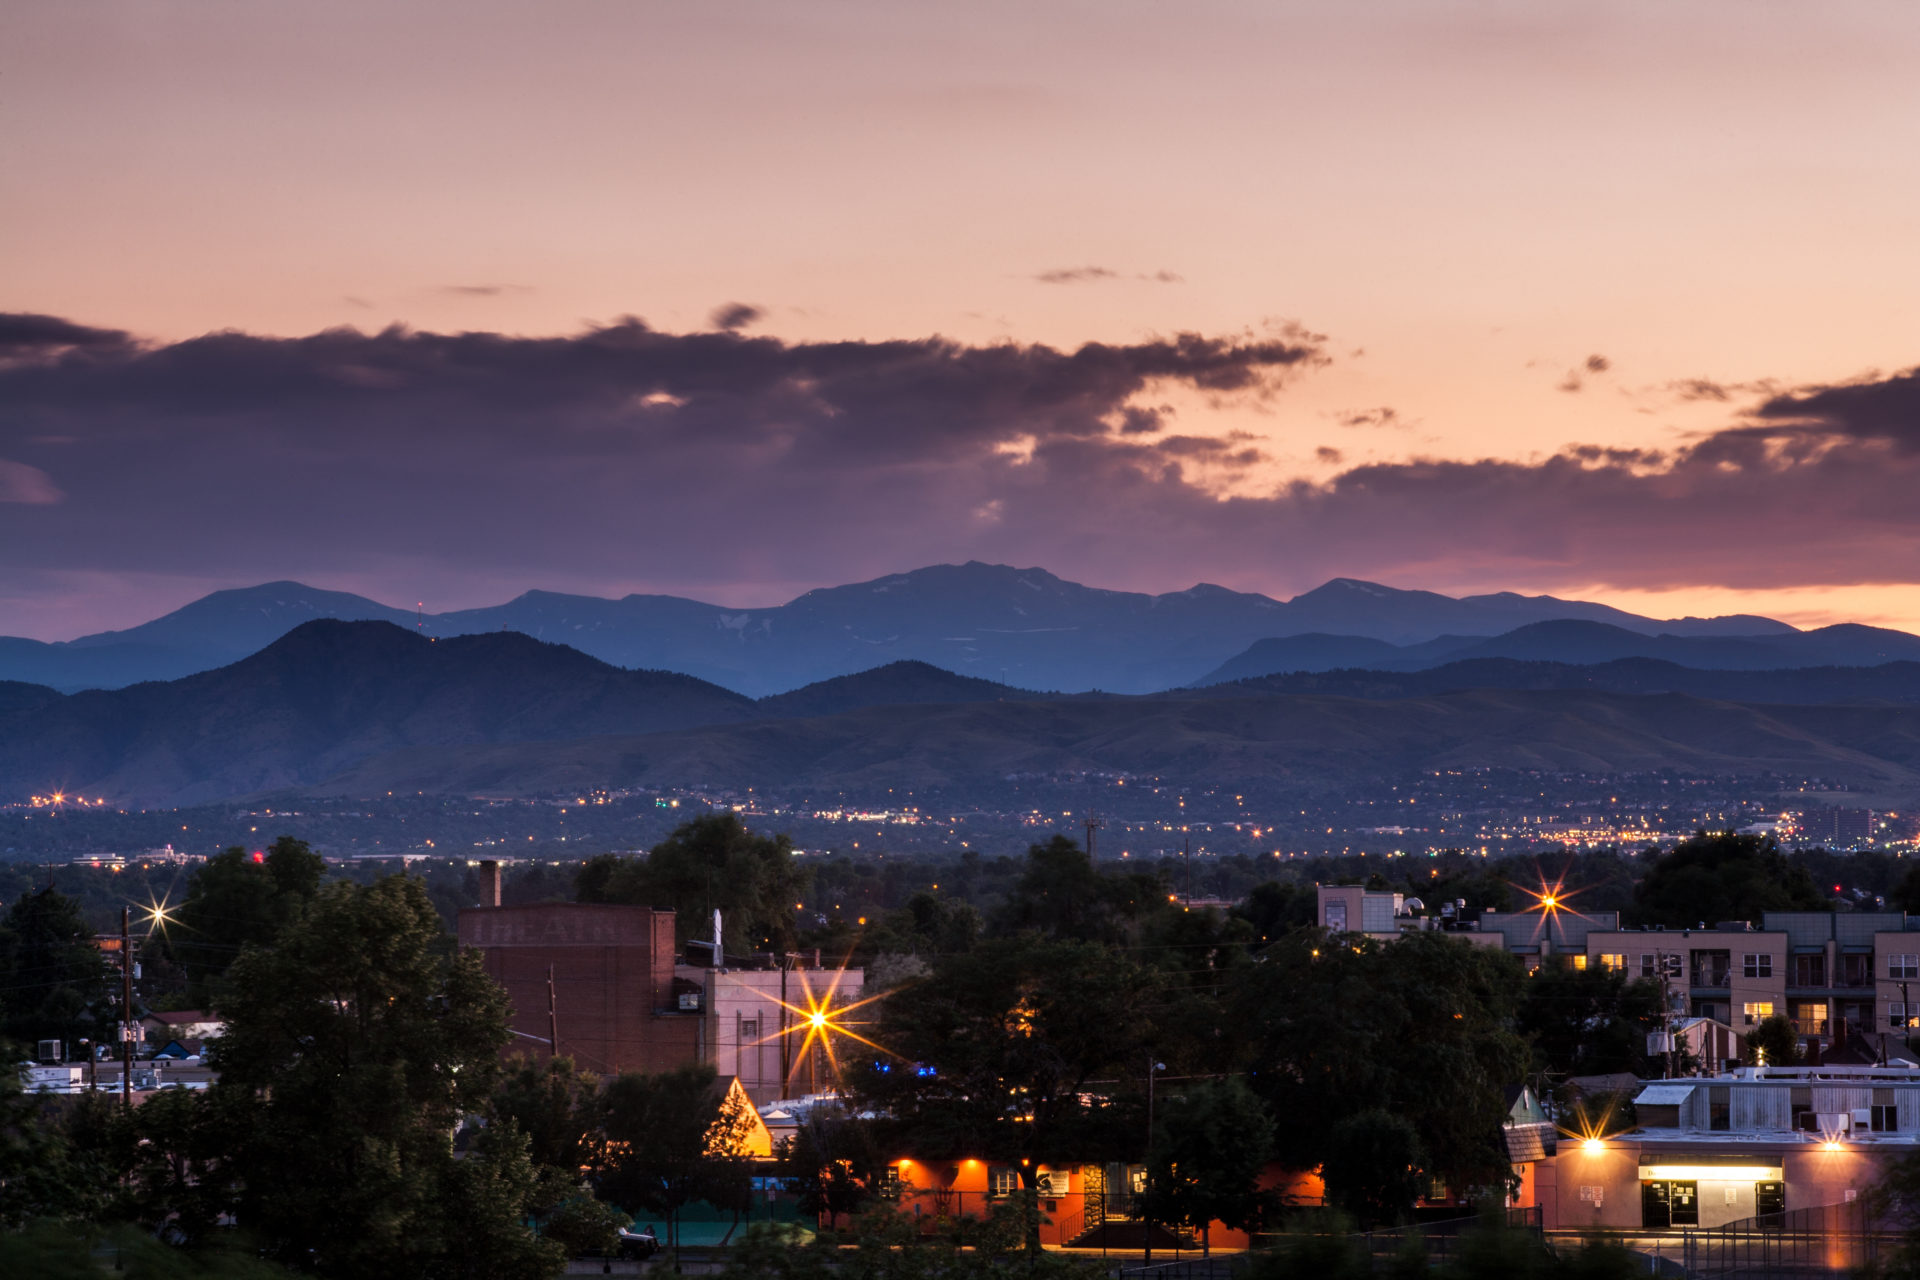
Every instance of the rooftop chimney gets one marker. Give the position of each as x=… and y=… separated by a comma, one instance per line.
x=489, y=884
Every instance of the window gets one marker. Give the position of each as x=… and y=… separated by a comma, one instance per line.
x=1719, y=1108
x=1896, y=1014
x=1757, y=1011
x=1809, y=971
x=1756, y=966
x=1856, y=970
x=1003, y=1182
x=1579, y=962
x=749, y=1030
x=1810, y=1018
x=1613, y=963
x=1337, y=917
x=1903, y=966
x=1886, y=1114
x=1647, y=966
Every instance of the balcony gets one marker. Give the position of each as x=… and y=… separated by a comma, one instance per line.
x=1713, y=976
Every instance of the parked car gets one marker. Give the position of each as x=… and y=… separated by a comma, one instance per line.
x=638, y=1246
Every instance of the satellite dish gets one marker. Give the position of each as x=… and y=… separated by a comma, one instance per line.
x=1414, y=904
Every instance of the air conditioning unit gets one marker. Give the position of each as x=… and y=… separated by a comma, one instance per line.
x=1862, y=1118
x=50, y=1052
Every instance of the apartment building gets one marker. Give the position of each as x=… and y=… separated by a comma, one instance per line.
x=1836, y=975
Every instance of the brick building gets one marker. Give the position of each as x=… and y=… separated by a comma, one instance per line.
x=611, y=970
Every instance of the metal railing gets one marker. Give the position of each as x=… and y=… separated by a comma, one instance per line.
x=1826, y=1240
x=1438, y=1242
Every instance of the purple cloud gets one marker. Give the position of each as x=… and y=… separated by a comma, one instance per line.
x=623, y=457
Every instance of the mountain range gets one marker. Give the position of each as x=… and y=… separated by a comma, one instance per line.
x=1577, y=643
x=362, y=708
x=1020, y=627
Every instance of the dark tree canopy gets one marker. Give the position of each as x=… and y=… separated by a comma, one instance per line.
x=1212, y=1139
x=1061, y=894
x=1422, y=1026
x=666, y=1140
x=1375, y=1168
x=54, y=983
x=233, y=901
x=710, y=862
x=1013, y=1033
x=1590, y=1021
x=1774, y=1043
x=1723, y=876
x=354, y=1045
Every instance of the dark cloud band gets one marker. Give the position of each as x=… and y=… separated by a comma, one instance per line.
x=625, y=455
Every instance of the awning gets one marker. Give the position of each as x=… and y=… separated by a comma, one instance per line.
x=1663, y=1095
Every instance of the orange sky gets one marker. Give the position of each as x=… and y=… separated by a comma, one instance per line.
x=1469, y=200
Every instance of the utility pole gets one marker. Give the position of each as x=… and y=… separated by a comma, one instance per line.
x=1146, y=1235
x=1186, y=855
x=126, y=1015
x=786, y=1041
x=553, y=1017
x=1093, y=825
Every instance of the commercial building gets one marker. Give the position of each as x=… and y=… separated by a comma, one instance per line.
x=1710, y=1151
x=605, y=986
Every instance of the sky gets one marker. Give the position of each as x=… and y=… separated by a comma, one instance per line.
x=446, y=301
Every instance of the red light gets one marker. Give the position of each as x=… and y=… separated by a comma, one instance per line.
x=259, y=856
x=1836, y=888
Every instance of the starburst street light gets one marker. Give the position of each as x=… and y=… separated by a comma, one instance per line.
x=159, y=914
x=820, y=1021
x=1550, y=899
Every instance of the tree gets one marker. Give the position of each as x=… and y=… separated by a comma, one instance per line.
x=234, y=901
x=833, y=1160
x=1773, y=1043
x=997, y=1053
x=1374, y=1167
x=54, y=983
x=669, y=1139
x=354, y=1045
x=1274, y=907
x=553, y=1104
x=41, y=1176
x=1723, y=877
x=555, y=1107
x=1591, y=1021
x=1211, y=1143
x=1421, y=1027
x=708, y=863
x=1062, y=895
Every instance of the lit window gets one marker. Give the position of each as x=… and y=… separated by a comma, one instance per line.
x=1613, y=962
x=1896, y=1014
x=1579, y=962
x=1757, y=1011
x=1003, y=1182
